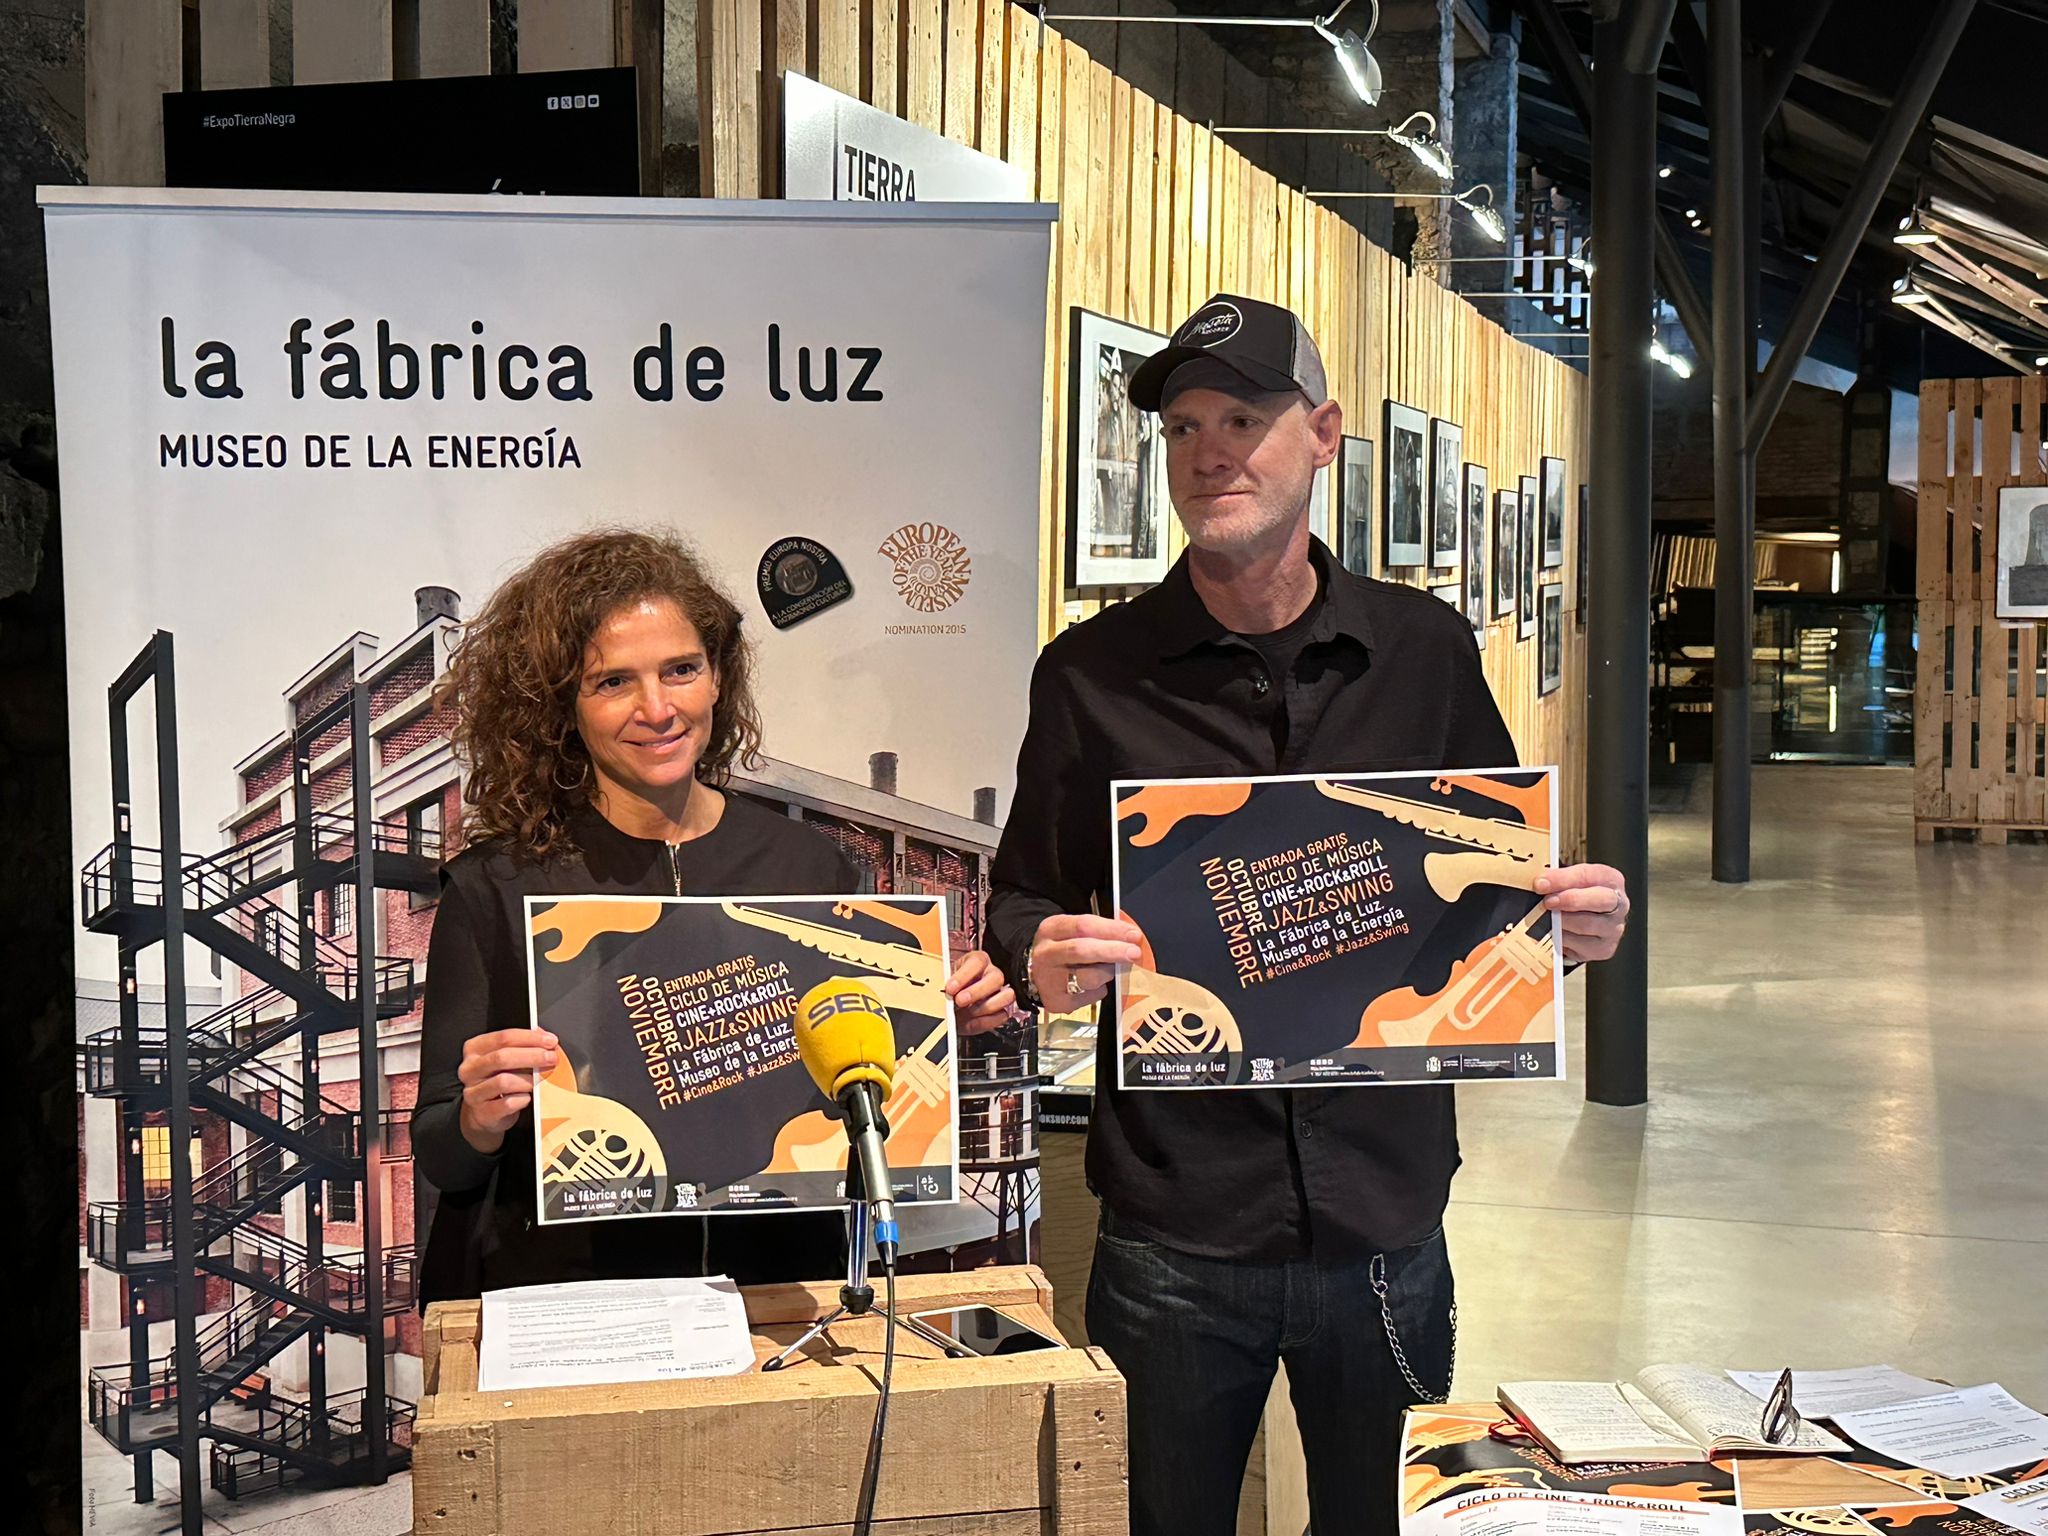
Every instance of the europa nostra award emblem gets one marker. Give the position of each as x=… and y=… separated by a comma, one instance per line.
x=932, y=565
x=800, y=578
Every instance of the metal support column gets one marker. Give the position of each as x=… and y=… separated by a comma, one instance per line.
x=312, y=1198
x=130, y=1214
x=178, y=1078
x=1618, y=629
x=1734, y=513
x=369, y=1081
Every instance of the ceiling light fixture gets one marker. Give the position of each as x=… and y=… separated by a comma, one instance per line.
x=1663, y=173
x=1906, y=291
x=1360, y=68
x=1423, y=144
x=1484, y=214
x=1678, y=363
x=1912, y=232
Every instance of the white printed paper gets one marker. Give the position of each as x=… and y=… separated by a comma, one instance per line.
x=2023, y=1506
x=1957, y=1434
x=1545, y=1512
x=1823, y=1394
x=597, y=1332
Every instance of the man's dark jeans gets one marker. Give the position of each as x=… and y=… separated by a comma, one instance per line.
x=1196, y=1340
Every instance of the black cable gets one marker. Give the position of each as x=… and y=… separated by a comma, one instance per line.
x=864, y=1510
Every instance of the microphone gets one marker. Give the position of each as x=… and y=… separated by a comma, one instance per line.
x=848, y=1046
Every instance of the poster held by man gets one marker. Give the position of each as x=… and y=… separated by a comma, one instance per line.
x=1337, y=930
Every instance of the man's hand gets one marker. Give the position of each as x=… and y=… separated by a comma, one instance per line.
x=981, y=997
x=497, y=1081
x=1591, y=903
x=1075, y=956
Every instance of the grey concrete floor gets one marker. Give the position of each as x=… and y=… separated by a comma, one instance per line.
x=1844, y=1159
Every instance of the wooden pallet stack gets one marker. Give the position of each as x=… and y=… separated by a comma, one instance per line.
x=1981, y=702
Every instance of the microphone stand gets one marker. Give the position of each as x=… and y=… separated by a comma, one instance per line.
x=857, y=1296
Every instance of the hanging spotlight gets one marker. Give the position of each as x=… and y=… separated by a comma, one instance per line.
x=1361, y=69
x=1663, y=173
x=1485, y=215
x=1358, y=64
x=1424, y=146
x=1906, y=291
x=1913, y=232
x=1678, y=363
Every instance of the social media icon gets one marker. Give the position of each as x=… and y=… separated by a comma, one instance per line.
x=554, y=103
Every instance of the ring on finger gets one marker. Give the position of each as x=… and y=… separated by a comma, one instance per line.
x=1074, y=987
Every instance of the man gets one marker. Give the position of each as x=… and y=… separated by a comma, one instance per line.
x=1247, y=1226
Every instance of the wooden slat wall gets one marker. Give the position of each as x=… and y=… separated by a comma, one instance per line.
x=1980, y=697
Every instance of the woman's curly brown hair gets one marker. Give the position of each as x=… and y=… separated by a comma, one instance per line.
x=513, y=680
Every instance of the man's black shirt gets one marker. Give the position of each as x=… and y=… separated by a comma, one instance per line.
x=1387, y=678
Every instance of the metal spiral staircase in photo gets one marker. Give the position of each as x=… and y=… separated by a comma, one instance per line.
x=253, y=1064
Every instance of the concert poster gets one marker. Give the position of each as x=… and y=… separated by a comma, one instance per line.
x=1453, y=1450
x=678, y=1086
x=1329, y=931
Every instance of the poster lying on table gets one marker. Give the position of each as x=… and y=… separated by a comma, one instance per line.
x=1327, y=931
x=679, y=1086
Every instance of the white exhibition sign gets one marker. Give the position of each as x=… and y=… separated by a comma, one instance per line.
x=837, y=148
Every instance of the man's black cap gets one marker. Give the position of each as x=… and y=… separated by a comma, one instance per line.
x=1265, y=345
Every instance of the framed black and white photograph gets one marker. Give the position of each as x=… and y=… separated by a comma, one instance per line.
x=1322, y=513
x=2023, y=552
x=1528, y=558
x=1507, y=526
x=1550, y=642
x=1117, y=504
x=1452, y=592
x=1405, y=442
x=1354, y=506
x=1553, y=514
x=1446, y=507
x=1584, y=561
x=1475, y=550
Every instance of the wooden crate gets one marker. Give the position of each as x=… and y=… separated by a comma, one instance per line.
x=1008, y=1446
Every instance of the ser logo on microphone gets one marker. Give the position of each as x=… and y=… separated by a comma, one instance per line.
x=848, y=1000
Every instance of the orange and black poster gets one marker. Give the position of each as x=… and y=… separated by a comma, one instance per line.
x=679, y=1086
x=1362, y=929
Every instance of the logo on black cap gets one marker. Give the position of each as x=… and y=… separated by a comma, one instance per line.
x=1211, y=325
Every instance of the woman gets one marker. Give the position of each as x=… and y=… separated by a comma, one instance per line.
x=602, y=697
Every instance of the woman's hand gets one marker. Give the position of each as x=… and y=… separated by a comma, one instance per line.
x=982, y=999
x=497, y=1081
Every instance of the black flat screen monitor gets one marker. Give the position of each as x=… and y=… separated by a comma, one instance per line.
x=567, y=132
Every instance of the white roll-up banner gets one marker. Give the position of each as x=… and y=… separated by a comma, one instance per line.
x=307, y=435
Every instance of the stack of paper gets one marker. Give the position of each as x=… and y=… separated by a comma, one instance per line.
x=593, y=1332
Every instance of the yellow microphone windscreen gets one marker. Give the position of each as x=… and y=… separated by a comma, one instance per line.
x=845, y=1037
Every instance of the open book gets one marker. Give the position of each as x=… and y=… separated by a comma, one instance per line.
x=1668, y=1413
